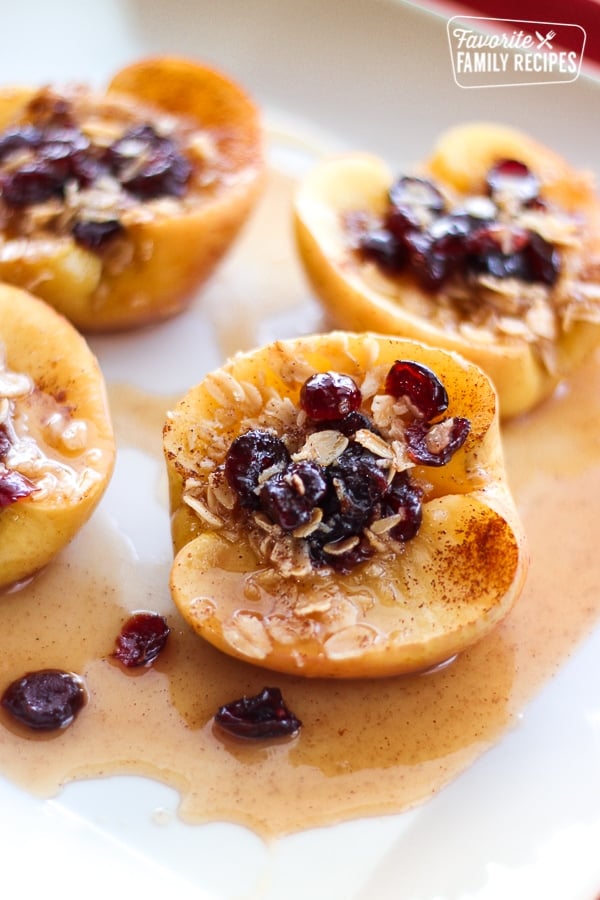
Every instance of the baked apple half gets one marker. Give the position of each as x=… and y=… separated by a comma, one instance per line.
x=56, y=441
x=491, y=248
x=340, y=508
x=116, y=206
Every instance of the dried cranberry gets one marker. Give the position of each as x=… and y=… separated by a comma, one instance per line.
x=94, y=235
x=414, y=204
x=438, y=252
x=404, y=498
x=419, y=385
x=86, y=168
x=59, y=152
x=359, y=482
x=399, y=221
x=499, y=250
x=356, y=484
x=248, y=457
x=72, y=151
x=13, y=487
x=327, y=396
x=513, y=178
x=384, y=248
x=496, y=237
x=408, y=191
x=502, y=265
x=62, y=143
x=45, y=700
x=343, y=563
x=289, y=497
x=435, y=445
x=337, y=524
x=312, y=477
x=283, y=505
x=349, y=425
x=165, y=173
x=133, y=144
x=148, y=164
x=544, y=260
x=46, y=172
x=448, y=233
x=513, y=252
x=428, y=264
x=141, y=639
x=34, y=182
x=24, y=138
x=262, y=716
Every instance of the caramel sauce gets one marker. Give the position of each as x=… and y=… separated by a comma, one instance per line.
x=366, y=747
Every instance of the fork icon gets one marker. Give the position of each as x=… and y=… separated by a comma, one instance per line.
x=545, y=41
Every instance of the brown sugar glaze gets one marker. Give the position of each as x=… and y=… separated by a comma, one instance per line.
x=365, y=747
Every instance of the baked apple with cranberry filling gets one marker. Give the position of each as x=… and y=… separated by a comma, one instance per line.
x=339, y=507
x=491, y=248
x=116, y=206
x=56, y=439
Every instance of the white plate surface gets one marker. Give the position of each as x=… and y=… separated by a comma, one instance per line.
x=524, y=821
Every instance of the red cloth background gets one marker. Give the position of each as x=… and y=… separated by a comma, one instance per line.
x=577, y=12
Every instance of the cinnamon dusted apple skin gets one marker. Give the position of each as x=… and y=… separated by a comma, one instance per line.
x=539, y=334
x=168, y=246
x=442, y=591
x=65, y=414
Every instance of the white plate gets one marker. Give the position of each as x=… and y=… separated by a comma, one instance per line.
x=524, y=821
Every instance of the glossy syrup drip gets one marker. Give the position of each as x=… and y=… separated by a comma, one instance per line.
x=365, y=747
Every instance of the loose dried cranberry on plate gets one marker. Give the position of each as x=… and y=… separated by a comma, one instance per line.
x=141, y=639
x=45, y=700
x=264, y=715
